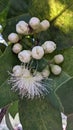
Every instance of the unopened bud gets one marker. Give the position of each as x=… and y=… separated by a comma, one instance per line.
x=44, y=25
x=17, y=70
x=56, y=69
x=49, y=46
x=34, y=23
x=24, y=56
x=13, y=38
x=17, y=48
x=37, y=52
x=22, y=27
x=58, y=58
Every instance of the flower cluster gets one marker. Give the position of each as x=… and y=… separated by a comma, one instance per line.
x=37, y=52
x=23, y=28
x=31, y=84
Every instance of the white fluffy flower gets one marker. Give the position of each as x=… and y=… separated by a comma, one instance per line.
x=58, y=58
x=13, y=37
x=24, y=56
x=22, y=27
x=37, y=52
x=29, y=85
x=44, y=25
x=17, y=48
x=34, y=23
x=56, y=69
x=49, y=46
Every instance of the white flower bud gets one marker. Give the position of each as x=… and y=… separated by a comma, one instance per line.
x=46, y=72
x=39, y=75
x=22, y=27
x=24, y=56
x=56, y=69
x=37, y=52
x=44, y=25
x=17, y=70
x=17, y=48
x=34, y=23
x=13, y=37
x=58, y=58
x=49, y=46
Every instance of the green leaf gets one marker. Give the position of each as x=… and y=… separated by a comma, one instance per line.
x=0, y=52
x=61, y=22
x=60, y=80
x=13, y=109
x=68, y=62
x=3, y=4
x=70, y=122
x=65, y=93
x=20, y=9
x=7, y=96
x=7, y=61
x=39, y=65
x=55, y=101
x=4, y=7
x=38, y=114
x=2, y=47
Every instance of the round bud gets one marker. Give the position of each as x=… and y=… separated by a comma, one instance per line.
x=37, y=52
x=58, y=58
x=17, y=70
x=24, y=56
x=46, y=72
x=34, y=23
x=56, y=69
x=38, y=76
x=44, y=25
x=17, y=48
x=13, y=38
x=49, y=46
x=22, y=27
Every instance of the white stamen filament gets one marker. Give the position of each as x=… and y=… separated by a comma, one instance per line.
x=28, y=84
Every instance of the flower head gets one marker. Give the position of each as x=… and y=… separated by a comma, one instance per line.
x=28, y=84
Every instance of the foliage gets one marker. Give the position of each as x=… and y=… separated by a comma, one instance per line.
x=40, y=114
